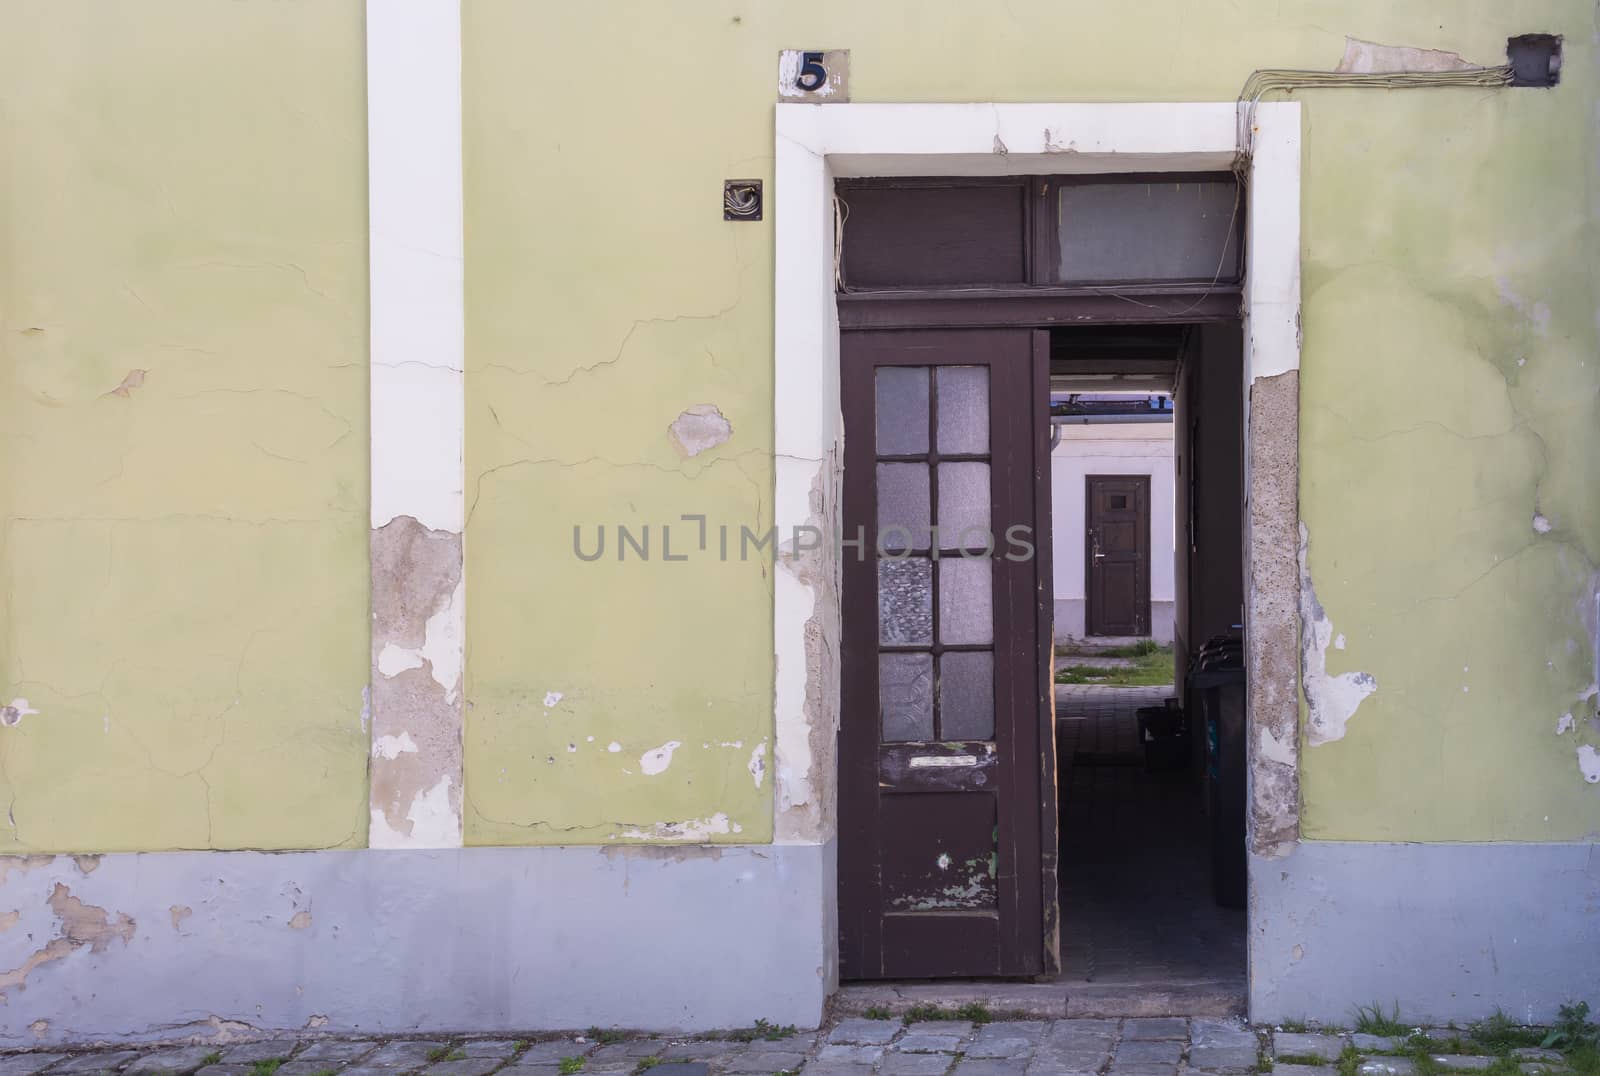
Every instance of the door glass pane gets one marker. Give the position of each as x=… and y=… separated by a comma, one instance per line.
x=964, y=506
x=966, y=695
x=905, y=696
x=903, y=505
x=966, y=600
x=1149, y=230
x=905, y=602
x=963, y=409
x=902, y=414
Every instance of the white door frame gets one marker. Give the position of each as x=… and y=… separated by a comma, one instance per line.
x=816, y=144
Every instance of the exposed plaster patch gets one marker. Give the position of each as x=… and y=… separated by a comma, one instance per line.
x=81, y=925
x=803, y=751
x=39, y=1028
x=657, y=760
x=551, y=698
x=1589, y=764
x=394, y=660
x=179, y=913
x=391, y=747
x=1541, y=524
x=300, y=920
x=1369, y=57
x=86, y=864
x=417, y=606
x=1330, y=700
x=9, y=919
x=699, y=429
x=433, y=821
x=758, y=763
x=14, y=711
x=134, y=379
x=1338, y=641
x=695, y=829
x=614, y=747
x=1565, y=724
x=1274, y=750
x=316, y=1020
x=22, y=863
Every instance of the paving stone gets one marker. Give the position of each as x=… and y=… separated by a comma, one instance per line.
x=1387, y=1066
x=926, y=1042
x=791, y=1044
x=27, y=1064
x=1045, y=1066
x=1302, y=1070
x=632, y=1049
x=1462, y=1061
x=1540, y=1068
x=682, y=1068
x=837, y=1068
x=961, y=1028
x=182, y=1060
x=1534, y=1053
x=309, y=1068
x=1155, y=1027
x=248, y=1053
x=998, y=1047
x=471, y=1066
x=403, y=1054
x=501, y=1048
x=770, y=1062
x=1053, y=1059
x=860, y=1055
x=103, y=1062
x=1032, y=1030
x=336, y=1050
x=246, y=1070
x=860, y=1032
x=983, y=1067
x=897, y=1064
x=1216, y=1058
x=701, y=1050
x=1141, y=1070
x=1305, y=1044
x=1148, y=1052
x=1374, y=1043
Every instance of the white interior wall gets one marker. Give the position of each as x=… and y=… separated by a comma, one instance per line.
x=1144, y=448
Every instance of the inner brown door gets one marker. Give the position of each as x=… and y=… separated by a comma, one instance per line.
x=1117, y=554
x=943, y=678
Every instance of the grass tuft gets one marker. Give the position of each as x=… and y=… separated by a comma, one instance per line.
x=569, y=1065
x=877, y=1012
x=1151, y=668
x=1372, y=1020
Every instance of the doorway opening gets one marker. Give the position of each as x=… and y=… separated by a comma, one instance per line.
x=1147, y=531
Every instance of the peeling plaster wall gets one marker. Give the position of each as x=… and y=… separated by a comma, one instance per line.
x=184, y=435
x=1445, y=239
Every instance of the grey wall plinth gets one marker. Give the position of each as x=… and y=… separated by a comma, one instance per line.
x=161, y=945
x=1449, y=931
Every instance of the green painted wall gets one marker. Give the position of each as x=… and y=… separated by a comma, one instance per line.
x=184, y=194
x=1447, y=235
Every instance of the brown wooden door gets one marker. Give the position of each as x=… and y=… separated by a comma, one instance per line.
x=1117, y=554
x=943, y=678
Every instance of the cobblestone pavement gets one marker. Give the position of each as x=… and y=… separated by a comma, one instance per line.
x=1152, y=1046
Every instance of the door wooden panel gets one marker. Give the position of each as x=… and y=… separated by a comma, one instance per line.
x=943, y=676
x=1117, y=554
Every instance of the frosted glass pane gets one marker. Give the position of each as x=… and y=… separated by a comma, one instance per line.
x=963, y=409
x=966, y=696
x=905, y=696
x=966, y=600
x=905, y=602
x=1157, y=230
x=903, y=505
x=902, y=412
x=964, y=506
